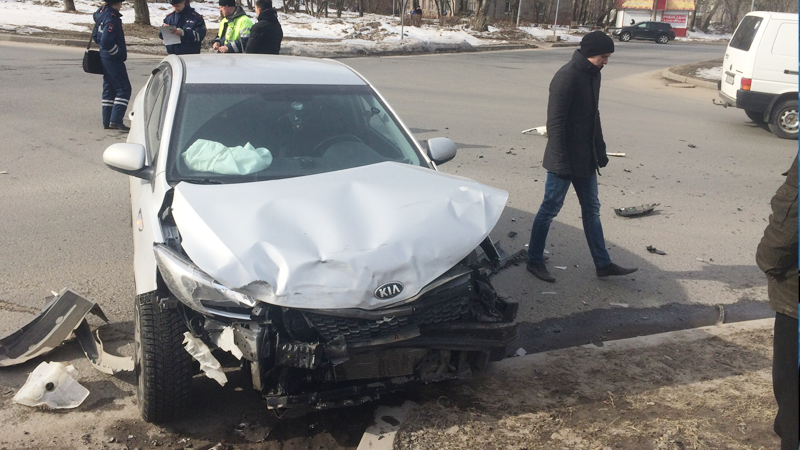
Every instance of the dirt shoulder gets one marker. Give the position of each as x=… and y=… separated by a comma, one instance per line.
x=711, y=393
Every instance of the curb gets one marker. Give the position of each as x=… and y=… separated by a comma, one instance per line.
x=653, y=340
x=443, y=49
x=381, y=435
x=668, y=74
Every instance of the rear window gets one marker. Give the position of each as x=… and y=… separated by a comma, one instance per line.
x=743, y=37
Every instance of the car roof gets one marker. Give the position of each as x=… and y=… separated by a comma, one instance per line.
x=212, y=68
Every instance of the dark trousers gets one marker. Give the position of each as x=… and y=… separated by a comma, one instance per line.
x=116, y=90
x=785, y=380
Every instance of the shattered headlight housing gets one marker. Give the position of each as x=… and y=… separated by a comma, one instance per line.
x=196, y=289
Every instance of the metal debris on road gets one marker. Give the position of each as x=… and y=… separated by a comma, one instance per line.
x=652, y=249
x=561, y=267
x=630, y=211
x=617, y=154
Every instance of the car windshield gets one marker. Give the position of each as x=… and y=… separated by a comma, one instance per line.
x=240, y=133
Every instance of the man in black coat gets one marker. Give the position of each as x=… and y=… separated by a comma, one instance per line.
x=575, y=151
x=267, y=34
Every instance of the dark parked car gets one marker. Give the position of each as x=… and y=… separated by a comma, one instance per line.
x=651, y=31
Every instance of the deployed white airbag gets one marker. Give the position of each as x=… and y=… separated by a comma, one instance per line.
x=330, y=240
x=211, y=156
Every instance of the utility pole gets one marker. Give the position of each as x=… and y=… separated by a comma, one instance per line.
x=555, y=21
x=519, y=10
x=752, y=4
x=402, y=19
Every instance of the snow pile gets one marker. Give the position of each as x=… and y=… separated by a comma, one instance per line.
x=711, y=73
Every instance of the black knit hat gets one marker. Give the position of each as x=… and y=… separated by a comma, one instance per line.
x=227, y=2
x=596, y=43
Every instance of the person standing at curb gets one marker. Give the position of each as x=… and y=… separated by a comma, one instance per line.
x=189, y=25
x=574, y=154
x=777, y=255
x=234, y=28
x=267, y=34
x=113, y=54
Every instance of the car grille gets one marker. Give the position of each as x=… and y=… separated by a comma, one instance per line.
x=444, y=305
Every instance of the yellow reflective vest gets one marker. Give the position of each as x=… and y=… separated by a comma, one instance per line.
x=234, y=31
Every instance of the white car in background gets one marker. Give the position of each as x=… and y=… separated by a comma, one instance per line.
x=759, y=72
x=283, y=213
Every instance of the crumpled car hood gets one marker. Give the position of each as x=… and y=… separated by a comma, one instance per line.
x=328, y=241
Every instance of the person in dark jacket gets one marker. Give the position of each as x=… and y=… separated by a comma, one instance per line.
x=189, y=25
x=575, y=151
x=777, y=255
x=266, y=34
x=113, y=53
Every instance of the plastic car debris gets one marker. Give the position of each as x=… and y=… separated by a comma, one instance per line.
x=93, y=349
x=541, y=131
x=52, y=384
x=60, y=317
x=621, y=305
x=521, y=352
x=226, y=341
x=617, y=154
x=202, y=354
x=635, y=210
x=652, y=249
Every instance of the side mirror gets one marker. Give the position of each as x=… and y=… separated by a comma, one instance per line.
x=441, y=150
x=128, y=159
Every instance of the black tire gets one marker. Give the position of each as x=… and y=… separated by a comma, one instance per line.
x=662, y=39
x=625, y=37
x=783, y=121
x=163, y=366
x=755, y=116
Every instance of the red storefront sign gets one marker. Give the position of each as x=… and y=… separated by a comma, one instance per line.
x=676, y=19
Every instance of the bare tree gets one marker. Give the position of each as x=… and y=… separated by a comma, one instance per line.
x=708, y=15
x=69, y=6
x=141, y=12
x=480, y=21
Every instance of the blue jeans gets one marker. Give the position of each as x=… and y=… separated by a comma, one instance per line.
x=555, y=190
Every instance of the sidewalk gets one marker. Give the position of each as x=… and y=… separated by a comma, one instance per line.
x=701, y=388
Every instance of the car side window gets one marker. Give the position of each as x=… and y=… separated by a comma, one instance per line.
x=155, y=103
x=641, y=25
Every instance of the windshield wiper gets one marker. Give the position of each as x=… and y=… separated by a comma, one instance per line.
x=200, y=180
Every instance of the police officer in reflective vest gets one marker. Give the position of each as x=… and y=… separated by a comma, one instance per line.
x=234, y=28
x=189, y=25
x=113, y=53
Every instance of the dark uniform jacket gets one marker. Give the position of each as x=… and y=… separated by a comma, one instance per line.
x=108, y=34
x=777, y=253
x=575, y=145
x=266, y=34
x=194, y=31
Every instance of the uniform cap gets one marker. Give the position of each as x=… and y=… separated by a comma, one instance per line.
x=227, y=2
x=175, y=2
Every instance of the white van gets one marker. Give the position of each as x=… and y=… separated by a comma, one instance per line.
x=759, y=73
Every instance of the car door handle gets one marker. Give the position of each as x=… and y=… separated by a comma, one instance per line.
x=790, y=72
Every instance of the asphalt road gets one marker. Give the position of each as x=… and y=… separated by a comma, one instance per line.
x=64, y=219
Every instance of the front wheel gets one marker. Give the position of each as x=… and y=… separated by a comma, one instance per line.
x=662, y=39
x=625, y=37
x=755, y=116
x=163, y=366
x=784, y=122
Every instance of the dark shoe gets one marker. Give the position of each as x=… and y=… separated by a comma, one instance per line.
x=118, y=126
x=540, y=271
x=105, y=126
x=613, y=270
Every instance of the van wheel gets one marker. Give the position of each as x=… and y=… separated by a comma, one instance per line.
x=755, y=116
x=625, y=37
x=784, y=120
x=163, y=366
x=662, y=39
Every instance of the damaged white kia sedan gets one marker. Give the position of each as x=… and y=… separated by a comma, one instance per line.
x=283, y=213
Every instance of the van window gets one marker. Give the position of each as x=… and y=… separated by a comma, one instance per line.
x=786, y=40
x=745, y=33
